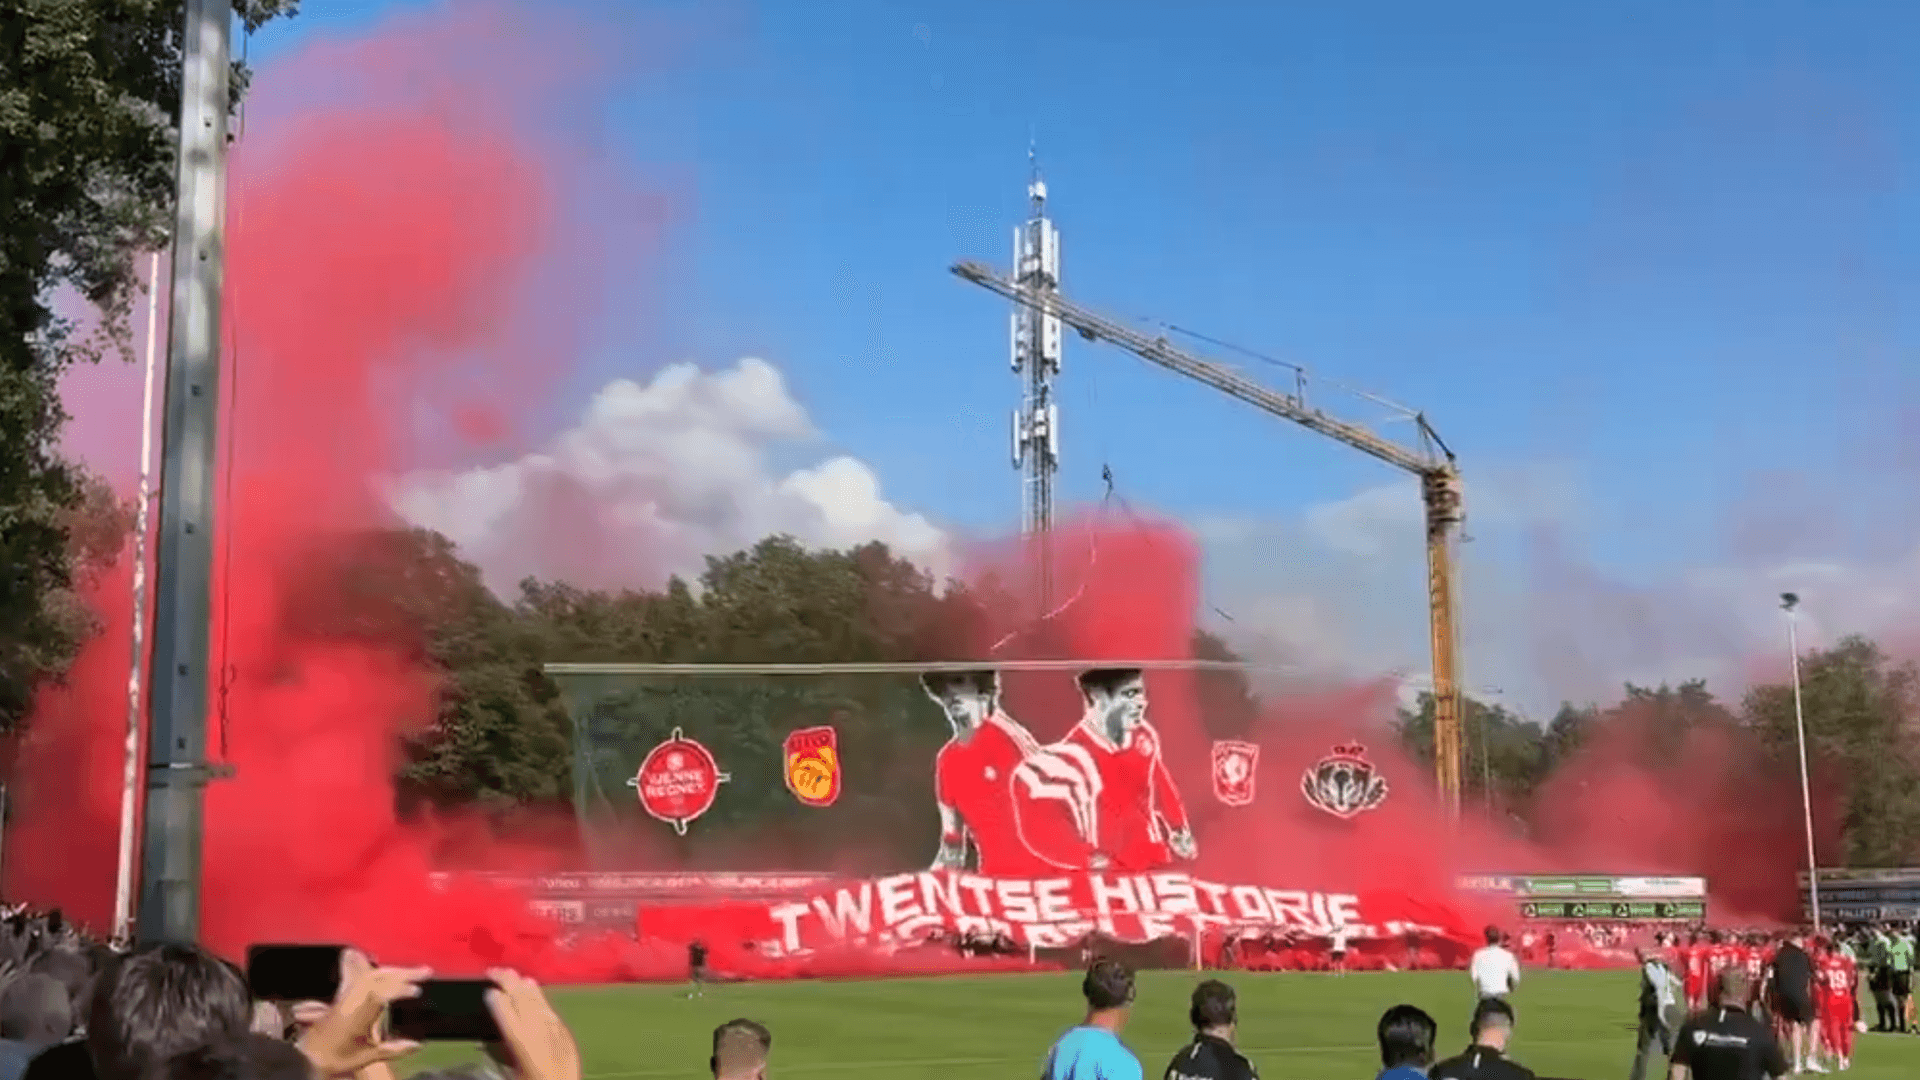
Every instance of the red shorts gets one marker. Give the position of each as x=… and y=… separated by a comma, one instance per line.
x=1836, y=1024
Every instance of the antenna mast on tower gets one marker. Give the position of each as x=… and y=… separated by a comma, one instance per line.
x=1036, y=356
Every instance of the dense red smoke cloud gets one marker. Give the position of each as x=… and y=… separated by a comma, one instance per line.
x=386, y=250
x=386, y=247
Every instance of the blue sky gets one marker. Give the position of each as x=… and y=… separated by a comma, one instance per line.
x=1652, y=256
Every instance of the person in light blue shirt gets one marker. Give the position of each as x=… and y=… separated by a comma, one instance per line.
x=1093, y=1050
x=1406, y=1036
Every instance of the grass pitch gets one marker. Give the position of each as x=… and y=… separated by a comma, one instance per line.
x=1578, y=1025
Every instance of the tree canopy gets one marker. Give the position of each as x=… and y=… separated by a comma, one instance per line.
x=89, y=107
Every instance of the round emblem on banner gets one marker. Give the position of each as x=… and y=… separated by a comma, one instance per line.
x=678, y=781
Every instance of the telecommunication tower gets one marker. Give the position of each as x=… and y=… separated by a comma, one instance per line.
x=1036, y=357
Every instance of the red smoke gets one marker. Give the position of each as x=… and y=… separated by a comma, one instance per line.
x=385, y=254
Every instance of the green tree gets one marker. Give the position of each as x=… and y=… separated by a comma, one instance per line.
x=1860, y=710
x=89, y=102
x=1501, y=750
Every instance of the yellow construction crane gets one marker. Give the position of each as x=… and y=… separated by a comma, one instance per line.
x=1429, y=459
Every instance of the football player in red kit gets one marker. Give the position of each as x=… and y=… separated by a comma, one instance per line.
x=1694, y=958
x=1835, y=979
x=972, y=773
x=1721, y=955
x=1756, y=957
x=1134, y=818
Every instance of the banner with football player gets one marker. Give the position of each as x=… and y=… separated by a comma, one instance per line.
x=1099, y=798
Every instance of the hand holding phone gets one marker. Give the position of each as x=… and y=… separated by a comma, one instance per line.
x=348, y=1039
x=534, y=1037
x=446, y=1010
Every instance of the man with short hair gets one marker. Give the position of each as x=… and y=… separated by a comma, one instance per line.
x=972, y=775
x=1900, y=962
x=1406, y=1035
x=1211, y=1054
x=1793, y=999
x=159, y=1002
x=1725, y=1042
x=1127, y=814
x=1093, y=1050
x=740, y=1050
x=1486, y=1057
x=1494, y=971
x=35, y=1013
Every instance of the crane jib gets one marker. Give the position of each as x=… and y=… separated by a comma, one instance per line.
x=1440, y=490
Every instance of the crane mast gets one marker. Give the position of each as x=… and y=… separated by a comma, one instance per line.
x=1429, y=459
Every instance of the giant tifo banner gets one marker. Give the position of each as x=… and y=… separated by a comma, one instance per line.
x=1087, y=826
x=1059, y=911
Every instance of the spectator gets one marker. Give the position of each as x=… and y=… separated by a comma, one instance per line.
x=1494, y=971
x=35, y=1013
x=1485, y=1058
x=162, y=1002
x=1657, y=1003
x=251, y=1057
x=1093, y=1050
x=1406, y=1036
x=1211, y=1054
x=1793, y=999
x=740, y=1050
x=1725, y=1042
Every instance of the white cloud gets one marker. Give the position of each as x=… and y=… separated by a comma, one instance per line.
x=1342, y=589
x=653, y=478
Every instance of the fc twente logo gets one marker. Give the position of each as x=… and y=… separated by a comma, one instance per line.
x=1344, y=783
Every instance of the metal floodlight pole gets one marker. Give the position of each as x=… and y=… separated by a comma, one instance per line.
x=1789, y=602
x=183, y=578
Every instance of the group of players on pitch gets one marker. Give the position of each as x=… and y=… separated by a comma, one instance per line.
x=1805, y=987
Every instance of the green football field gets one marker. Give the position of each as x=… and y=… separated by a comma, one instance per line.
x=1578, y=1025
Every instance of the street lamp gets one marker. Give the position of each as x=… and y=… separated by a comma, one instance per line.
x=1788, y=602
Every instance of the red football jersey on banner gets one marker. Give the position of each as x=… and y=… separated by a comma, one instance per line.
x=1136, y=797
x=972, y=779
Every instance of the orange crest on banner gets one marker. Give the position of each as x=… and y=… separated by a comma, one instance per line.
x=813, y=766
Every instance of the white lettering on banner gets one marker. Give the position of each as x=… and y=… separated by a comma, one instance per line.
x=845, y=915
x=1251, y=904
x=1016, y=899
x=1056, y=899
x=937, y=892
x=1176, y=895
x=1105, y=894
x=1057, y=911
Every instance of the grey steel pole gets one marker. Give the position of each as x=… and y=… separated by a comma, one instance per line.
x=183, y=578
x=1789, y=602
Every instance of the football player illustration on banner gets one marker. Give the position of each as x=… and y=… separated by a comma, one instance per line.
x=1102, y=798
x=972, y=772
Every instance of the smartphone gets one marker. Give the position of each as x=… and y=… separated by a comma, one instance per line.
x=294, y=972
x=447, y=1010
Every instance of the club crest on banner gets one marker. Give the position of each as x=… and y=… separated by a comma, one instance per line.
x=1344, y=783
x=678, y=781
x=813, y=766
x=1234, y=766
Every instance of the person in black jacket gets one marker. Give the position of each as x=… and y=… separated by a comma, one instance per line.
x=1486, y=1058
x=1726, y=1042
x=1211, y=1054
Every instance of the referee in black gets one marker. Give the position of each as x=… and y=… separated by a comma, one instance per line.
x=1211, y=1054
x=1486, y=1058
x=1725, y=1042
